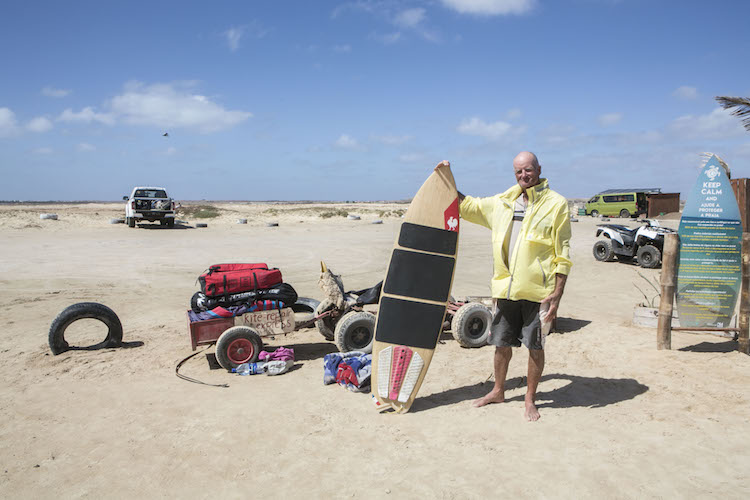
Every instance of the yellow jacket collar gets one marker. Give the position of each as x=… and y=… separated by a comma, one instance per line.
x=533, y=192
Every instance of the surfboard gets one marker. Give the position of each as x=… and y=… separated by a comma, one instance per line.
x=416, y=290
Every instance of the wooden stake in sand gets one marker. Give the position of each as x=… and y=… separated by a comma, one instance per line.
x=668, y=286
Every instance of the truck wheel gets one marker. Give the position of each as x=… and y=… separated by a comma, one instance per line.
x=170, y=222
x=83, y=310
x=356, y=332
x=624, y=213
x=649, y=256
x=603, y=251
x=326, y=326
x=471, y=325
x=130, y=221
x=237, y=345
x=595, y=213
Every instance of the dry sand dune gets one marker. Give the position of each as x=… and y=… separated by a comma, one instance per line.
x=619, y=418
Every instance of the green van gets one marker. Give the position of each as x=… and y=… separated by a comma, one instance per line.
x=619, y=203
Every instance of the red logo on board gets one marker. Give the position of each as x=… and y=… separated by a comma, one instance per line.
x=451, y=216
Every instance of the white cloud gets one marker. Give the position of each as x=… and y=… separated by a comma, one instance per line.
x=346, y=142
x=86, y=115
x=39, y=124
x=686, y=93
x=409, y=18
x=609, y=119
x=412, y=158
x=233, y=36
x=490, y=7
x=387, y=38
x=392, y=140
x=342, y=49
x=172, y=106
x=8, y=124
x=477, y=126
x=53, y=92
x=718, y=124
x=85, y=147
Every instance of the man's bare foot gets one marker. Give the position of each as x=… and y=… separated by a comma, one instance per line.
x=492, y=397
x=531, y=414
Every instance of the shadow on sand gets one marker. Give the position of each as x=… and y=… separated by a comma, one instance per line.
x=727, y=346
x=586, y=392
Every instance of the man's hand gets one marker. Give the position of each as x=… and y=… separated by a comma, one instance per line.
x=553, y=299
x=444, y=163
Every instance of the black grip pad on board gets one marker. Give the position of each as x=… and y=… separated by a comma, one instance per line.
x=409, y=323
x=428, y=239
x=419, y=275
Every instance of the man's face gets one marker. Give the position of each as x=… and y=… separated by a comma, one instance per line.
x=527, y=174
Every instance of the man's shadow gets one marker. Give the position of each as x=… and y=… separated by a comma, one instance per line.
x=588, y=392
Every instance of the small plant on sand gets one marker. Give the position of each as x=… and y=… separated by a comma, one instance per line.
x=392, y=213
x=339, y=212
x=200, y=211
x=650, y=302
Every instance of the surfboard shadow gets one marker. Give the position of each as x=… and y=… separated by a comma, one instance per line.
x=587, y=392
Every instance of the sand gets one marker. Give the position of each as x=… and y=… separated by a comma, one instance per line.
x=619, y=418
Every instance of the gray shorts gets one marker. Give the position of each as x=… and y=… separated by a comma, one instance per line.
x=514, y=322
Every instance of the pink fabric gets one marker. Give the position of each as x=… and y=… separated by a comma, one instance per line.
x=280, y=354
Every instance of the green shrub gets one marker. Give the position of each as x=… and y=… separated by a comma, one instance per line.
x=339, y=212
x=200, y=211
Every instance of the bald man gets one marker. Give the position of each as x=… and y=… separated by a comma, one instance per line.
x=530, y=227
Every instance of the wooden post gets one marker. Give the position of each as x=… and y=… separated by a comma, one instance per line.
x=743, y=344
x=668, y=286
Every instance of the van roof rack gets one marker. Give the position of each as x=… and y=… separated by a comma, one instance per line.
x=632, y=190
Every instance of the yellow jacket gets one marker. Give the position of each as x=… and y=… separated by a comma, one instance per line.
x=542, y=248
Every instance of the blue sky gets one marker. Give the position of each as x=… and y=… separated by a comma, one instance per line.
x=329, y=100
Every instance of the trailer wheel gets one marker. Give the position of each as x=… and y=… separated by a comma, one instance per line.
x=649, y=256
x=355, y=331
x=471, y=325
x=83, y=310
x=603, y=251
x=237, y=345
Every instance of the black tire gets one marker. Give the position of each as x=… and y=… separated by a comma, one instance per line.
x=326, y=326
x=304, y=310
x=197, y=302
x=624, y=213
x=603, y=251
x=355, y=331
x=82, y=310
x=649, y=257
x=471, y=325
x=237, y=345
x=201, y=224
x=595, y=213
x=130, y=221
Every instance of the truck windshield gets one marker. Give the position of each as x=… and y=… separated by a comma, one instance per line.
x=150, y=193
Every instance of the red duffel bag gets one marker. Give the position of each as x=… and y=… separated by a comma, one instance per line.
x=225, y=279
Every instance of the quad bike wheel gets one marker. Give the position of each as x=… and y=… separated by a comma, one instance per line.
x=649, y=256
x=603, y=251
x=355, y=331
x=471, y=325
x=237, y=345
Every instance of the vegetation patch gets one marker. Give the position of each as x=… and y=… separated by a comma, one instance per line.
x=339, y=212
x=392, y=213
x=200, y=211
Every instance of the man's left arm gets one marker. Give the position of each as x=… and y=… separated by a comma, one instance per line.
x=562, y=234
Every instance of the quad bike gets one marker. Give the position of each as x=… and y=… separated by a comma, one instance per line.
x=644, y=243
x=343, y=318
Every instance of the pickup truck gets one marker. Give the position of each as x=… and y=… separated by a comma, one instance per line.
x=149, y=204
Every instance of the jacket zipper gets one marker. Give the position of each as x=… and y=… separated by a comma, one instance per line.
x=521, y=234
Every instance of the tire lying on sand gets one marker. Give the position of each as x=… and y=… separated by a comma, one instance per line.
x=48, y=216
x=83, y=310
x=201, y=224
x=326, y=326
x=304, y=310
